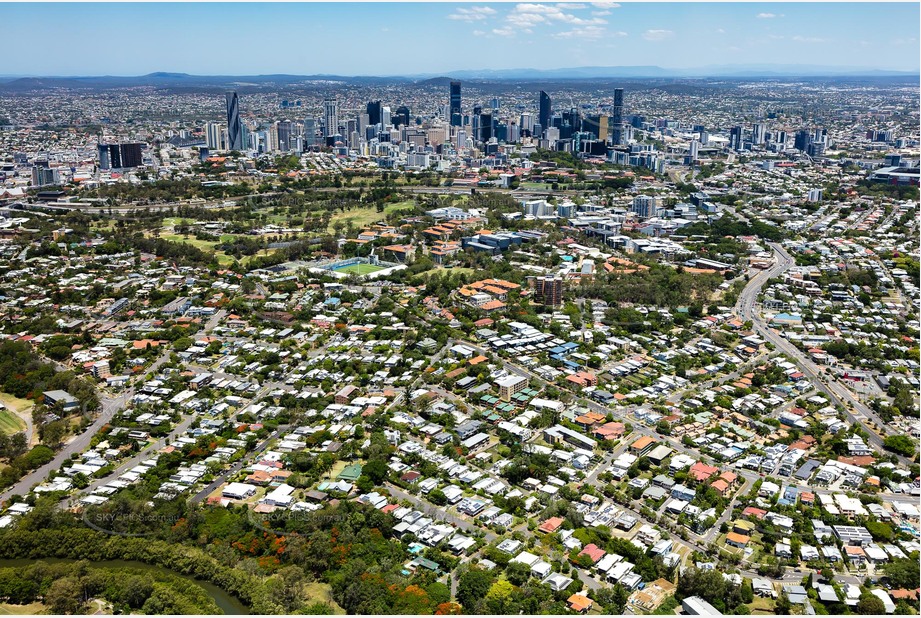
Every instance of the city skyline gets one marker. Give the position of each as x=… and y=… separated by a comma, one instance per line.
x=482, y=36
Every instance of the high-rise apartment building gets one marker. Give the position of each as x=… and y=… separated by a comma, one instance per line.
x=548, y=290
x=735, y=138
x=43, y=176
x=214, y=136
x=331, y=117
x=645, y=206
x=234, y=125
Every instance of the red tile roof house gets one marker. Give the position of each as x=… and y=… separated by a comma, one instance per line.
x=593, y=551
x=701, y=472
x=551, y=525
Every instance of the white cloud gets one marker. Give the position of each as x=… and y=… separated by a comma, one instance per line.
x=720, y=31
x=808, y=39
x=766, y=15
x=478, y=33
x=657, y=35
x=588, y=32
x=503, y=31
x=474, y=13
x=605, y=5
x=529, y=14
x=572, y=6
x=600, y=13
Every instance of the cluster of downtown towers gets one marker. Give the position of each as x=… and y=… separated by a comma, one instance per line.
x=484, y=125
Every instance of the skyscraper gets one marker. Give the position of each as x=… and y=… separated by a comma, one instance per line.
x=234, y=126
x=617, y=118
x=758, y=130
x=401, y=117
x=455, y=107
x=735, y=138
x=487, y=130
x=543, y=115
x=118, y=156
x=331, y=117
x=284, y=131
x=374, y=112
x=213, y=135
x=310, y=132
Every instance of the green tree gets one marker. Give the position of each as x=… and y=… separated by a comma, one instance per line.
x=870, y=604
x=472, y=586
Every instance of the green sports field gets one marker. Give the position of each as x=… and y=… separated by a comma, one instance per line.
x=360, y=269
x=10, y=423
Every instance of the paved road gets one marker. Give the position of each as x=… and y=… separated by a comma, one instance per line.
x=109, y=406
x=439, y=513
x=838, y=394
x=218, y=481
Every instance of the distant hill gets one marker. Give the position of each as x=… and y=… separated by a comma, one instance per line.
x=187, y=82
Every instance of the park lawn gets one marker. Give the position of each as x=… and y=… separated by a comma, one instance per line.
x=205, y=245
x=8, y=609
x=10, y=423
x=360, y=217
x=15, y=403
x=322, y=593
x=535, y=186
x=399, y=206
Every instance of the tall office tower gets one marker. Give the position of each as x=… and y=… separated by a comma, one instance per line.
x=455, y=106
x=234, y=125
x=802, y=140
x=704, y=138
x=487, y=127
x=105, y=159
x=514, y=133
x=461, y=140
x=758, y=134
x=692, y=149
x=735, y=138
x=214, y=135
x=781, y=138
x=617, y=118
x=386, y=116
x=527, y=122
x=495, y=104
x=331, y=117
x=118, y=156
x=475, y=123
x=364, y=120
x=285, y=136
x=400, y=118
x=310, y=132
x=543, y=115
x=374, y=112
x=271, y=139
x=548, y=290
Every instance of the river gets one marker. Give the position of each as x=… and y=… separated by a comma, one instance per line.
x=227, y=603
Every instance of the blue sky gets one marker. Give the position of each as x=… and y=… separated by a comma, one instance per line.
x=410, y=38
